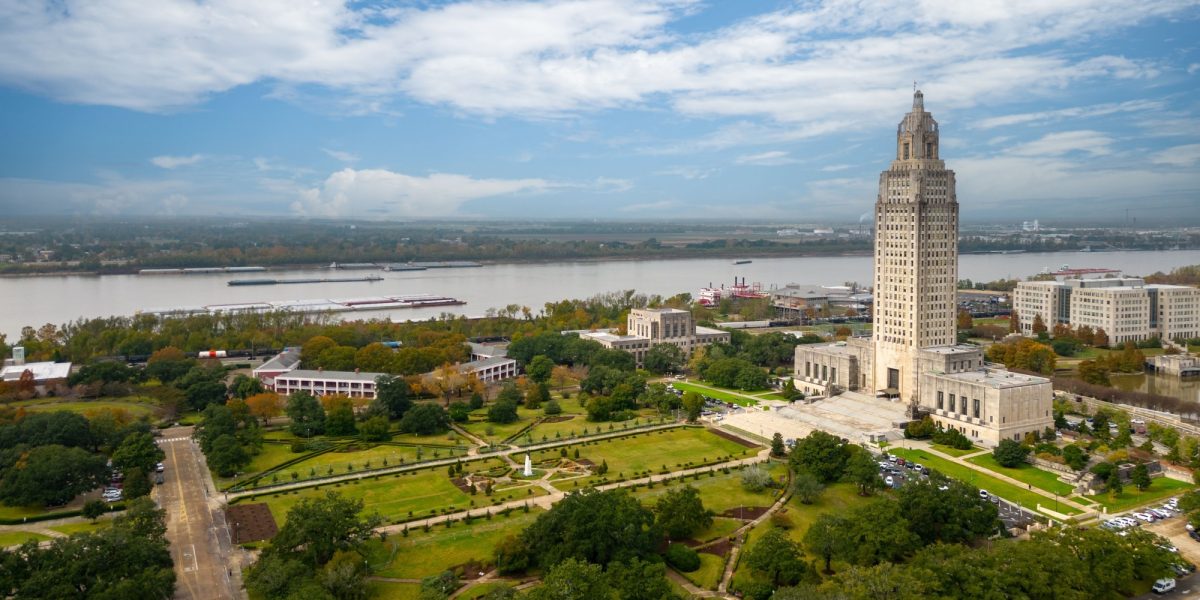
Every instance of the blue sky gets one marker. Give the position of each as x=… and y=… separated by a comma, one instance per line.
x=593, y=108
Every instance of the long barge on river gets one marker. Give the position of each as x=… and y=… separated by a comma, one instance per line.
x=319, y=305
x=311, y=280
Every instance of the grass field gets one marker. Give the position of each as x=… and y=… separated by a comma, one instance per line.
x=393, y=496
x=721, y=492
x=726, y=395
x=955, y=452
x=1028, y=473
x=391, y=590
x=475, y=592
x=340, y=459
x=1130, y=497
x=653, y=451
x=995, y=486
x=135, y=406
x=422, y=554
x=21, y=512
x=87, y=526
x=709, y=573
x=13, y=538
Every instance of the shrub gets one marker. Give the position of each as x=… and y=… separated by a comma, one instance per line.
x=683, y=558
x=755, y=479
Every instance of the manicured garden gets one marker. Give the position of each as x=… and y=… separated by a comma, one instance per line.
x=1130, y=497
x=136, y=406
x=401, y=496
x=722, y=491
x=665, y=449
x=982, y=480
x=1038, y=478
x=422, y=553
x=708, y=576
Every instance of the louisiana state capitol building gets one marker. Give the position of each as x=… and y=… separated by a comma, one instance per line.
x=912, y=355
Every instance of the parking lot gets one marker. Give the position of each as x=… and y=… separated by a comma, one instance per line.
x=1012, y=515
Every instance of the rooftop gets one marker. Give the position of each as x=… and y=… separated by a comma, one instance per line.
x=41, y=371
x=997, y=378
x=331, y=375
x=284, y=361
x=484, y=363
x=955, y=349
x=663, y=310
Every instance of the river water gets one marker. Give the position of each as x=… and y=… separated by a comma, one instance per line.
x=35, y=301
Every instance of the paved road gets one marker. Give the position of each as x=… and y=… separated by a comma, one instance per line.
x=195, y=526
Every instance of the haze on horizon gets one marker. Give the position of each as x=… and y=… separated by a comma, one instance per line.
x=607, y=109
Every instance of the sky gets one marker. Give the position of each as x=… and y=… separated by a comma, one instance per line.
x=606, y=109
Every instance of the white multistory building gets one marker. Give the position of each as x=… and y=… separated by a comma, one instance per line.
x=1126, y=308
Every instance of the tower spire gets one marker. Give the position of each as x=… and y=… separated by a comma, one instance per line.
x=918, y=99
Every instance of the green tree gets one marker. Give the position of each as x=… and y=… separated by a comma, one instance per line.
x=137, y=450
x=307, y=416
x=680, y=513
x=878, y=532
x=862, y=471
x=51, y=475
x=821, y=454
x=778, y=449
x=940, y=509
x=755, y=479
x=538, y=395
x=1140, y=477
x=440, y=586
x=639, y=580
x=552, y=408
x=375, y=429
x=592, y=526
x=538, y=370
x=779, y=558
x=572, y=579
x=345, y=576
x=1075, y=457
x=503, y=411
x=807, y=487
x=693, y=405
x=316, y=528
x=663, y=358
x=1010, y=454
x=227, y=456
x=426, y=418
x=94, y=509
x=339, y=419
x=137, y=483
x=826, y=539
x=394, y=393
x=459, y=411
x=244, y=386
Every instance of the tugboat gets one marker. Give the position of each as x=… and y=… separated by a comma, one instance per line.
x=742, y=262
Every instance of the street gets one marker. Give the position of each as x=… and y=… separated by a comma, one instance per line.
x=195, y=527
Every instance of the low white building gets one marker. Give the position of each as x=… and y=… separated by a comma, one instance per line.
x=487, y=370
x=353, y=384
x=648, y=327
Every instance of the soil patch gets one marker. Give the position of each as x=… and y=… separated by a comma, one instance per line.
x=735, y=439
x=746, y=513
x=461, y=483
x=718, y=548
x=585, y=462
x=250, y=522
x=558, y=419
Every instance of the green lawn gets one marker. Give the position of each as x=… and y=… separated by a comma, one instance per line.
x=21, y=512
x=1130, y=497
x=86, y=526
x=733, y=396
x=14, y=538
x=422, y=554
x=479, y=590
x=671, y=449
x=1028, y=473
x=721, y=492
x=394, y=495
x=134, y=405
x=955, y=452
x=356, y=456
x=389, y=590
x=1003, y=489
x=272, y=454
x=721, y=527
x=480, y=426
x=709, y=573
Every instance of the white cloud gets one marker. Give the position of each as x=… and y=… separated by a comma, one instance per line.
x=687, y=172
x=1178, y=156
x=382, y=193
x=771, y=158
x=818, y=66
x=173, y=162
x=341, y=155
x=651, y=207
x=835, y=168
x=112, y=195
x=1094, y=143
x=1097, y=110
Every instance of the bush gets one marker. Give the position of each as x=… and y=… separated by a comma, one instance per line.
x=919, y=430
x=953, y=438
x=552, y=408
x=1010, y=454
x=755, y=479
x=299, y=446
x=683, y=558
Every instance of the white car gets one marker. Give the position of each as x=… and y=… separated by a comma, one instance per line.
x=1144, y=517
x=888, y=480
x=983, y=494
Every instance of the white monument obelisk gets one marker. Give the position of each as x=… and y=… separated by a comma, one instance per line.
x=528, y=467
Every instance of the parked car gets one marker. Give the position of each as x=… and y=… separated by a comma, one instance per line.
x=891, y=458
x=889, y=481
x=900, y=461
x=983, y=494
x=1163, y=586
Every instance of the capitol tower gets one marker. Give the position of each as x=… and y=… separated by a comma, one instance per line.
x=916, y=254
x=911, y=356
